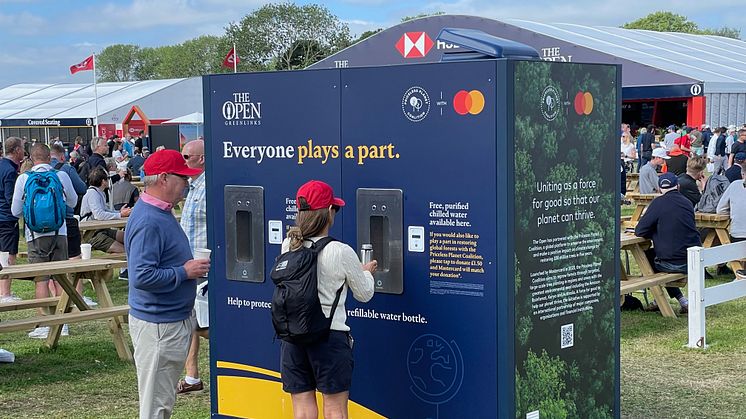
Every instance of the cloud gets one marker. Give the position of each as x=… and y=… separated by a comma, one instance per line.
x=23, y=23
x=149, y=14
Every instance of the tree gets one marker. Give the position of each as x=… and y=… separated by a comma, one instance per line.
x=287, y=36
x=724, y=31
x=301, y=52
x=118, y=63
x=366, y=34
x=195, y=57
x=671, y=22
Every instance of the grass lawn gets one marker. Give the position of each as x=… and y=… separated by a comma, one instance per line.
x=84, y=378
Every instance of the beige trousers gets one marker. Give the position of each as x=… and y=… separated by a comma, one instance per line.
x=160, y=353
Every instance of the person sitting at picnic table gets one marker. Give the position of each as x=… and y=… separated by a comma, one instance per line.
x=669, y=223
x=692, y=183
x=94, y=208
x=648, y=173
x=124, y=192
x=733, y=203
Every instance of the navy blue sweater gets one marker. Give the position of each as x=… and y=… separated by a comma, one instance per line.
x=669, y=222
x=157, y=248
x=8, y=175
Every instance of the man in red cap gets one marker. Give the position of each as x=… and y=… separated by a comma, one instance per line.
x=161, y=283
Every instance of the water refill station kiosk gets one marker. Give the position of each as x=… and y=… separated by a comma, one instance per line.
x=488, y=186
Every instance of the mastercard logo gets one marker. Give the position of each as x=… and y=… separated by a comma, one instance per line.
x=468, y=102
x=583, y=103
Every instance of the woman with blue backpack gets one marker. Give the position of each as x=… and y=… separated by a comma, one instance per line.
x=317, y=346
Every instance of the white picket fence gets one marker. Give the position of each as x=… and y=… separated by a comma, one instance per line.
x=701, y=297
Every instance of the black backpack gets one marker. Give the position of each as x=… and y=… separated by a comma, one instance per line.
x=296, y=309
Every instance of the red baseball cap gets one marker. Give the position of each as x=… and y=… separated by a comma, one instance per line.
x=168, y=161
x=318, y=195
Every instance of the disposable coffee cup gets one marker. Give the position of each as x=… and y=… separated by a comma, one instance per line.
x=202, y=254
x=4, y=258
x=85, y=251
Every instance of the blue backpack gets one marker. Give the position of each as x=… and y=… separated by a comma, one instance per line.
x=44, y=206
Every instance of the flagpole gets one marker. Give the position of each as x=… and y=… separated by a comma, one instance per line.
x=235, y=56
x=95, y=97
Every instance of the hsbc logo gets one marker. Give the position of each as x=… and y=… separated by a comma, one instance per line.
x=414, y=44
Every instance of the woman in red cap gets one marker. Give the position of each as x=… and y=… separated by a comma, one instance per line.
x=325, y=366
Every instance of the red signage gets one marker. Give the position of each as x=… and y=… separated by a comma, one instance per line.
x=414, y=45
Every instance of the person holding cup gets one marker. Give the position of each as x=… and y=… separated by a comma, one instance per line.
x=162, y=289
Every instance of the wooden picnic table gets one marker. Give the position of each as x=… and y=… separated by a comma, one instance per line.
x=140, y=185
x=67, y=273
x=641, y=203
x=88, y=228
x=633, y=183
x=648, y=277
x=718, y=232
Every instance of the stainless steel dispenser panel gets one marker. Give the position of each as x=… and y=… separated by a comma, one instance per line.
x=380, y=222
x=244, y=232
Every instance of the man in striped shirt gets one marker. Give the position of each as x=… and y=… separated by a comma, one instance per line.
x=194, y=224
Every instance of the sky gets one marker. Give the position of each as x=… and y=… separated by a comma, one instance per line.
x=41, y=39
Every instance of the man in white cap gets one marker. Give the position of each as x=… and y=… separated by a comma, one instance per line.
x=649, y=172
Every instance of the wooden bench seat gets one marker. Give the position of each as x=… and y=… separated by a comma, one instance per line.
x=633, y=283
x=27, y=304
x=57, y=319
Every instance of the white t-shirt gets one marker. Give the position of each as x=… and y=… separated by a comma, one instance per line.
x=628, y=150
x=338, y=265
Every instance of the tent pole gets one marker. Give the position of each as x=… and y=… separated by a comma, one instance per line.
x=95, y=97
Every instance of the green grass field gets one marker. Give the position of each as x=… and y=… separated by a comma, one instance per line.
x=661, y=378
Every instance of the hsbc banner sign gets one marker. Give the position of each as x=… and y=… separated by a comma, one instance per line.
x=414, y=44
x=419, y=44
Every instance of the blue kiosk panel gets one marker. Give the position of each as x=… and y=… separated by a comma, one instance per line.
x=441, y=166
x=429, y=348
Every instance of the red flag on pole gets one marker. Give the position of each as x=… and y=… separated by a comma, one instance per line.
x=84, y=65
x=231, y=59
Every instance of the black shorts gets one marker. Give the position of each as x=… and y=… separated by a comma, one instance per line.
x=73, y=237
x=9, y=236
x=326, y=366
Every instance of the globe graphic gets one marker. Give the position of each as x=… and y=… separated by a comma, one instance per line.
x=433, y=368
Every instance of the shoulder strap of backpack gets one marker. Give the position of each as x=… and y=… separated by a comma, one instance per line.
x=334, y=304
x=317, y=247
x=89, y=213
x=59, y=165
x=321, y=243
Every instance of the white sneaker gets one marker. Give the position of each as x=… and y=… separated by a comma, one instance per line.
x=39, y=333
x=12, y=298
x=7, y=356
x=89, y=301
x=65, y=330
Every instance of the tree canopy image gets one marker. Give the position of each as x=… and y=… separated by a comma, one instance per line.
x=561, y=139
